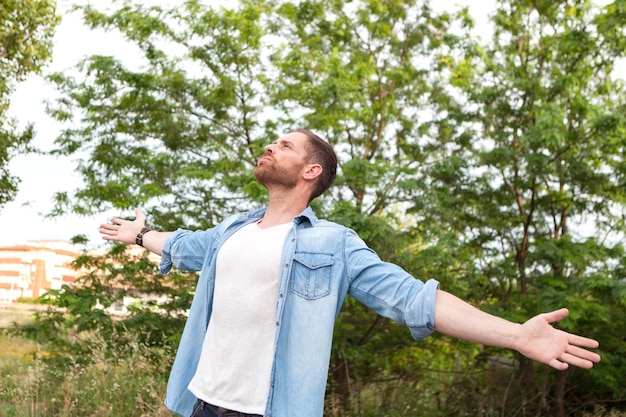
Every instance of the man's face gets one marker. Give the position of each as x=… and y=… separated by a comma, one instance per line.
x=283, y=161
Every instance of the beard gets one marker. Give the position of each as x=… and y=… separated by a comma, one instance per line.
x=269, y=174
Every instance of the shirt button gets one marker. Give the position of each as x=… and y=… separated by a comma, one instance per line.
x=282, y=295
x=277, y=323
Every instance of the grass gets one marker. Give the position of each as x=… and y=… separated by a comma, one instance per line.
x=109, y=386
x=134, y=386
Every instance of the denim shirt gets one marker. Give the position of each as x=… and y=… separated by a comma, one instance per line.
x=321, y=263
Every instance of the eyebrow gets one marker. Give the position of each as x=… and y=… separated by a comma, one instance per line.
x=279, y=141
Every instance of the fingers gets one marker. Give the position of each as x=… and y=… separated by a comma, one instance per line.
x=108, y=231
x=583, y=354
x=139, y=214
x=556, y=315
x=110, y=225
x=117, y=221
x=576, y=340
x=581, y=361
x=122, y=229
x=557, y=364
x=576, y=360
x=575, y=355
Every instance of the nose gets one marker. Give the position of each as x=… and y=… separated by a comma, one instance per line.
x=268, y=148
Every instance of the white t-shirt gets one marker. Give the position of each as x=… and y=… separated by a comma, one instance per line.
x=238, y=351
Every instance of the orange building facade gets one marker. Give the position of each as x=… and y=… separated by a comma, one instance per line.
x=30, y=270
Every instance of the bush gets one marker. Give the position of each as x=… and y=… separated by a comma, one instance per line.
x=109, y=386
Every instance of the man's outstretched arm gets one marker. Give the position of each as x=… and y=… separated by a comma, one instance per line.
x=535, y=339
x=126, y=231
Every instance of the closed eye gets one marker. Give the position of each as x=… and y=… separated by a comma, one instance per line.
x=284, y=144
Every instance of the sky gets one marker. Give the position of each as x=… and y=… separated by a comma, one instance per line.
x=22, y=219
x=41, y=176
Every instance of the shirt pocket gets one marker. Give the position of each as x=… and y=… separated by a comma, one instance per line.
x=312, y=275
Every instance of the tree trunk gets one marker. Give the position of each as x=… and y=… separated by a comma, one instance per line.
x=559, y=394
x=345, y=394
x=529, y=394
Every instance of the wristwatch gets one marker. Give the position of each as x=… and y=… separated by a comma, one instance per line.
x=139, y=238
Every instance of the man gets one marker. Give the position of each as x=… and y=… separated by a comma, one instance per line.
x=272, y=281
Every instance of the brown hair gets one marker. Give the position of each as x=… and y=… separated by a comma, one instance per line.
x=320, y=152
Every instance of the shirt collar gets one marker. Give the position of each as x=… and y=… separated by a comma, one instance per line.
x=307, y=214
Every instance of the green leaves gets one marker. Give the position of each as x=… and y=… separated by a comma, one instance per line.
x=538, y=169
x=177, y=127
x=495, y=166
x=26, y=30
x=26, y=38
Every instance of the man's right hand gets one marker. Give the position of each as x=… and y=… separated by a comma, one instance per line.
x=121, y=230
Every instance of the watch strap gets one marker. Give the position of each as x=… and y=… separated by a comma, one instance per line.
x=139, y=238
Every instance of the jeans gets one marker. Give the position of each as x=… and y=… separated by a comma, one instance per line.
x=203, y=409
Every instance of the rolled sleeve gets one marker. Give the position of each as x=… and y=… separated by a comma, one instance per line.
x=420, y=318
x=165, y=265
x=390, y=290
x=166, y=253
x=186, y=250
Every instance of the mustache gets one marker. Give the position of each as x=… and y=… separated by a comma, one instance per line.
x=265, y=155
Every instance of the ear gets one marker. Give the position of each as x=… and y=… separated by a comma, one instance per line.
x=312, y=171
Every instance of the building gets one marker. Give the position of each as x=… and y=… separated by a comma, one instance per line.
x=30, y=270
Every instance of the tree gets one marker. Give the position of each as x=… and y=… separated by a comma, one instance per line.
x=469, y=163
x=26, y=31
x=362, y=73
x=531, y=179
x=183, y=142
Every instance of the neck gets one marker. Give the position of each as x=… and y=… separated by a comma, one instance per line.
x=282, y=209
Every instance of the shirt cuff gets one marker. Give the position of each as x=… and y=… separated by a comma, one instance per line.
x=425, y=304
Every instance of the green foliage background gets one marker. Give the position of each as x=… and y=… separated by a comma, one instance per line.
x=495, y=166
x=26, y=30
